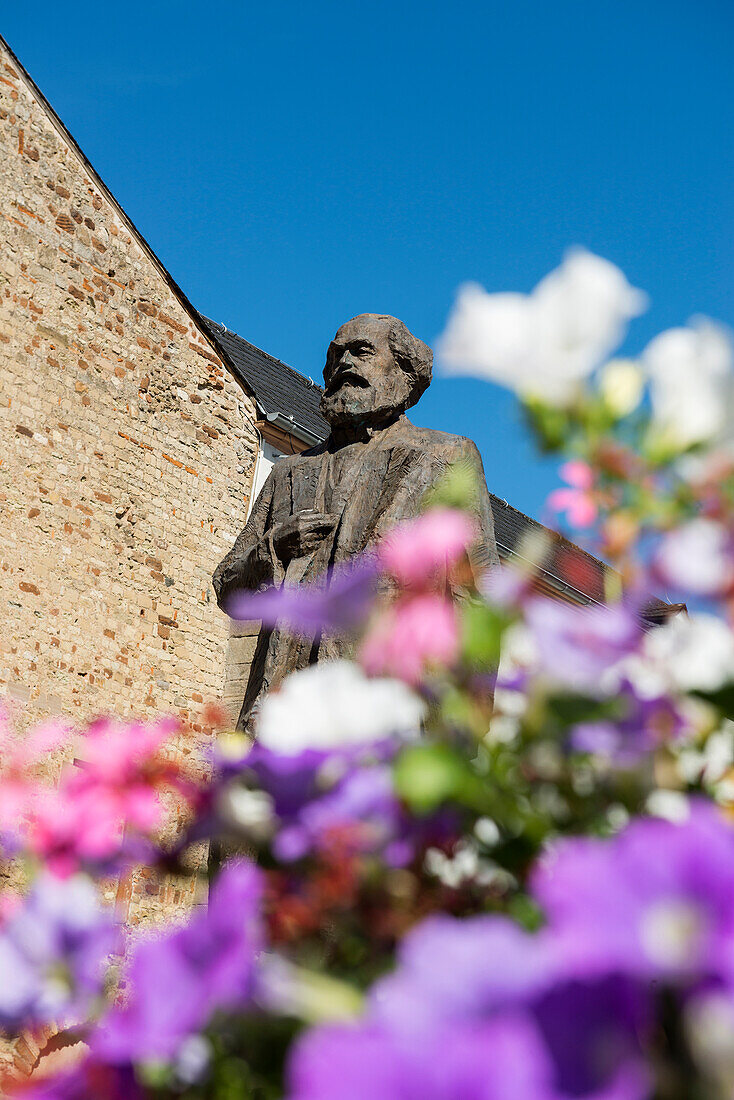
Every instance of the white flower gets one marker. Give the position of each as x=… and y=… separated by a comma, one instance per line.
x=621, y=383
x=545, y=343
x=688, y=653
x=691, y=372
x=697, y=558
x=333, y=704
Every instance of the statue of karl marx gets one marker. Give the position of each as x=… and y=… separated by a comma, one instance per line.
x=320, y=508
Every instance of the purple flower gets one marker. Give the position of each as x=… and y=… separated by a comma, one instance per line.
x=460, y=970
x=643, y=726
x=480, y=1009
x=576, y=645
x=656, y=901
x=92, y=1080
x=178, y=981
x=336, y=602
x=54, y=953
x=494, y=1060
x=347, y=793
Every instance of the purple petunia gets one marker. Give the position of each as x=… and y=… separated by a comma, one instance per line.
x=336, y=602
x=577, y=645
x=54, y=954
x=656, y=901
x=344, y=794
x=480, y=1010
x=643, y=726
x=179, y=980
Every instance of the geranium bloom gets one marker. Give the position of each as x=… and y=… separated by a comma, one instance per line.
x=107, y=801
x=412, y=635
x=578, y=501
x=543, y=344
x=54, y=951
x=576, y=646
x=20, y=756
x=421, y=550
x=179, y=980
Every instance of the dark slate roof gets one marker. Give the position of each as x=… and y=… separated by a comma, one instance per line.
x=276, y=386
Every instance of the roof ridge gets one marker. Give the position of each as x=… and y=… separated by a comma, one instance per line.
x=261, y=351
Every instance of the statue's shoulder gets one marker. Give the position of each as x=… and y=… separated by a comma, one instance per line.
x=443, y=444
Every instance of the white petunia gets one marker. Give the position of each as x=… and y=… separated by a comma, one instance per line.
x=697, y=558
x=545, y=343
x=333, y=704
x=691, y=372
x=688, y=653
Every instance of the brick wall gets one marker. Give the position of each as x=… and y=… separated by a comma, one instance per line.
x=127, y=448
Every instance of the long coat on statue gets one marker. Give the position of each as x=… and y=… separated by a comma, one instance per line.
x=368, y=486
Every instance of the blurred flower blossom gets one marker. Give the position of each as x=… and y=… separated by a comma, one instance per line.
x=668, y=913
x=177, y=981
x=510, y=1022
x=577, y=501
x=334, y=704
x=576, y=646
x=546, y=343
x=691, y=373
x=54, y=954
x=418, y=551
x=411, y=636
x=641, y=726
x=687, y=653
x=697, y=558
x=338, y=601
x=621, y=384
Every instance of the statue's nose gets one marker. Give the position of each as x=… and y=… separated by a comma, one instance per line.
x=346, y=360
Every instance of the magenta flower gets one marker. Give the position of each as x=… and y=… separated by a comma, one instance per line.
x=421, y=551
x=178, y=981
x=104, y=804
x=413, y=635
x=578, y=501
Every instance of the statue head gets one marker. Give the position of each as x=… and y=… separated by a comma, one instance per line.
x=375, y=369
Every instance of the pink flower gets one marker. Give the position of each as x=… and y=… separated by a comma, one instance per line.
x=411, y=635
x=418, y=551
x=577, y=502
x=104, y=804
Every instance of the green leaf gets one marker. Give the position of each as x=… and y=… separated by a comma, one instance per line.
x=482, y=628
x=425, y=776
x=722, y=698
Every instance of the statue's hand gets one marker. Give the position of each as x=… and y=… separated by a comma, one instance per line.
x=301, y=534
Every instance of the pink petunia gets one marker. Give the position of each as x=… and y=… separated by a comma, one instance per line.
x=577, y=502
x=418, y=551
x=412, y=635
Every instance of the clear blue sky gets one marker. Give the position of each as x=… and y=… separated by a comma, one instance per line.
x=294, y=163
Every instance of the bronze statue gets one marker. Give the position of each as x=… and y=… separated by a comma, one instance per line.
x=320, y=508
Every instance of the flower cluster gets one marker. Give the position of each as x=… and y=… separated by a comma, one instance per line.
x=490, y=856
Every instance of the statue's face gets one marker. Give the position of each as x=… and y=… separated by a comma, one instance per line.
x=364, y=383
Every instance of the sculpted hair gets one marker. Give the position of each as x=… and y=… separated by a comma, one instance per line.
x=413, y=356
